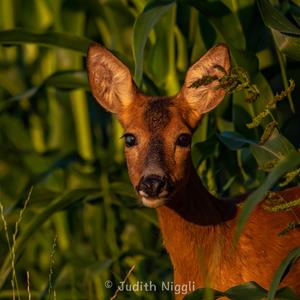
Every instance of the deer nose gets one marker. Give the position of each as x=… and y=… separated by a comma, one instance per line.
x=152, y=185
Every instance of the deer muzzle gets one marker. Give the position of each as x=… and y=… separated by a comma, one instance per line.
x=154, y=188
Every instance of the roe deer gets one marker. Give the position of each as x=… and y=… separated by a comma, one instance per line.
x=197, y=228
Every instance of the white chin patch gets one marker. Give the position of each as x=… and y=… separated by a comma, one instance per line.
x=153, y=203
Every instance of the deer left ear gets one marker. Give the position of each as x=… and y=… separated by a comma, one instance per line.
x=201, y=90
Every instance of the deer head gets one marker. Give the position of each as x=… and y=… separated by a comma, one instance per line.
x=158, y=130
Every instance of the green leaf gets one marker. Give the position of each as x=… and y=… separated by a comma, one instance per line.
x=276, y=148
x=201, y=293
x=65, y=80
x=209, y=8
x=289, y=45
x=286, y=294
x=50, y=39
x=68, y=80
x=153, y=11
x=274, y=19
x=284, y=166
x=289, y=259
x=246, y=291
x=234, y=140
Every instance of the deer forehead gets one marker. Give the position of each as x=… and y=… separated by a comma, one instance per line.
x=155, y=116
x=157, y=113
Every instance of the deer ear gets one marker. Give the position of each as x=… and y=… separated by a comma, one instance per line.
x=198, y=91
x=109, y=79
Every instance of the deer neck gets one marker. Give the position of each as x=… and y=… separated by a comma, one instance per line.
x=195, y=227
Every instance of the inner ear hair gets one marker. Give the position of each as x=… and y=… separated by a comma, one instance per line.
x=110, y=80
x=207, y=70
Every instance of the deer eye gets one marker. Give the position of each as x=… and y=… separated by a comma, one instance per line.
x=130, y=140
x=184, y=140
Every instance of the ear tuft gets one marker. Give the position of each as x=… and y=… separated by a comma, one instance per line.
x=109, y=79
x=200, y=89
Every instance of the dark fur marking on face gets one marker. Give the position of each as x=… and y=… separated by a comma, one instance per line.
x=157, y=114
x=155, y=153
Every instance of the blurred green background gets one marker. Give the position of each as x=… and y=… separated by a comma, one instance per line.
x=82, y=225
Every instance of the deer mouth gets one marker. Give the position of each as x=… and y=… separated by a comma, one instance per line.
x=153, y=203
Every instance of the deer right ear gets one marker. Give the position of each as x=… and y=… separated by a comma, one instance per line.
x=110, y=80
x=201, y=90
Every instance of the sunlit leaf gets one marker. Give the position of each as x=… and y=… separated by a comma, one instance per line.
x=286, y=294
x=200, y=294
x=274, y=19
x=246, y=291
x=50, y=39
x=276, y=148
x=289, y=45
x=153, y=11
x=284, y=166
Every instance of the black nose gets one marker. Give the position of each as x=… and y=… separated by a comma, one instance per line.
x=152, y=185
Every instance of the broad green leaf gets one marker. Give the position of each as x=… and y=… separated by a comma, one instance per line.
x=287, y=44
x=288, y=260
x=153, y=11
x=286, y=294
x=274, y=19
x=159, y=54
x=223, y=124
x=284, y=166
x=201, y=293
x=65, y=80
x=246, y=291
x=276, y=148
x=50, y=39
x=234, y=140
x=68, y=80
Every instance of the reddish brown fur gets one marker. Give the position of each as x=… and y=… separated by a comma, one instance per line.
x=197, y=228
x=256, y=257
